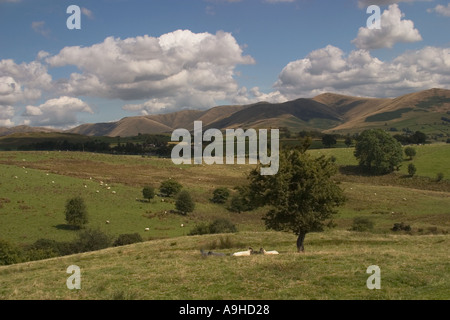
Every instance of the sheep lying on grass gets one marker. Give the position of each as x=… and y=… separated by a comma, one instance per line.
x=243, y=253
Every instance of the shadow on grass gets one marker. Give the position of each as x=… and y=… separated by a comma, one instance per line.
x=67, y=227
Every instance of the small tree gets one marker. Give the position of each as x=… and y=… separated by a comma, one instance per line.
x=9, y=253
x=348, y=141
x=329, y=140
x=76, y=212
x=410, y=152
x=184, y=202
x=170, y=188
x=148, y=192
x=91, y=240
x=220, y=195
x=302, y=195
x=411, y=169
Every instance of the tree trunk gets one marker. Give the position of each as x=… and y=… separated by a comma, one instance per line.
x=300, y=239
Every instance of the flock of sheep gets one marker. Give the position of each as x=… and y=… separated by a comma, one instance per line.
x=248, y=252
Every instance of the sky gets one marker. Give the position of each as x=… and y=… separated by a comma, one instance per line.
x=137, y=57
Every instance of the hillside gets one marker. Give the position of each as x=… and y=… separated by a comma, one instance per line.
x=328, y=112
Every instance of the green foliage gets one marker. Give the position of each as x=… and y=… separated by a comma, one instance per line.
x=9, y=254
x=348, y=141
x=412, y=169
x=329, y=140
x=148, y=192
x=410, y=152
x=127, y=238
x=184, y=202
x=91, y=240
x=220, y=195
x=362, y=224
x=76, y=212
x=439, y=176
x=222, y=225
x=401, y=227
x=302, y=195
x=170, y=188
x=378, y=152
x=219, y=225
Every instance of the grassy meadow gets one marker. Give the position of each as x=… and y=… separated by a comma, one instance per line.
x=168, y=265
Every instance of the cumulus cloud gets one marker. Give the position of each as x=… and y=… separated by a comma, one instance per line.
x=58, y=112
x=177, y=70
x=22, y=82
x=393, y=30
x=360, y=74
x=39, y=27
x=441, y=10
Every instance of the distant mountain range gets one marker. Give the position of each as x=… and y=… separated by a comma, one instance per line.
x=328, y=112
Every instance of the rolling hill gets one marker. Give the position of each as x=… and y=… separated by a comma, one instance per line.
x=427, y=111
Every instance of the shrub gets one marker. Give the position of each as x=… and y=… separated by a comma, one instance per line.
x=439, y=176
x=127, y=238
x=237, y=204
x=91, y=240
x=76, y=212
x=9, y=254
x=222, y=225
x=199, y=229
x=148, y=192
x=410, y=152
x=220, y=195
x=217, y=226
x=169, y=188
x=401, y=227
x=184, y=202
x=412, y=169
x=221, y=243
x=362, y=224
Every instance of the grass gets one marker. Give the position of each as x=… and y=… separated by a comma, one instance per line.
x=168, y=265
x=333, y=267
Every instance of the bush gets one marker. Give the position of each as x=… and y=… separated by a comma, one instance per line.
x=221, y=243
x=401, y=227
x=217, y=226
x=410, y=152
x=412, y=169
x=9, y=254
x=184, y=202
x=148, y=192
x=91, y=240
x=76, y=212
x=169, y=188
x=362, y=224
x=220, y=195
x=439, y=176
x=127, y=238
x=222, y=226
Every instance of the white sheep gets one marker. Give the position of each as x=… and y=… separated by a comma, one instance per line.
x=269, y=252
x=107, y=221
x=147, y=229
x=113, y=192
x=243, y=253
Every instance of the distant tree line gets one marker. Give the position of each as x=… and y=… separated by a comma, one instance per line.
x=417, y=137
x=155, y=145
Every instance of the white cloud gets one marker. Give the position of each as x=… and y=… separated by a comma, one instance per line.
x=59, y=112
x=366, y=3
x=360, y=74
x=39, y=27
x=6, y=114
x=177, y=70
x=442, y=10
x=88, y=13
x=393, y=30
x=22, y=82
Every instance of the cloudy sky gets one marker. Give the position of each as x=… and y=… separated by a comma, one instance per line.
x=141, y=57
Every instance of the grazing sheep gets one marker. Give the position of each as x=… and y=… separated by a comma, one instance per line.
x=268, y=252
x=147, y=229
x=107, y=221
x=113, y=192
x=243, y=253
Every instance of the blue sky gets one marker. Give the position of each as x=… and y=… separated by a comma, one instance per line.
x=142, y=57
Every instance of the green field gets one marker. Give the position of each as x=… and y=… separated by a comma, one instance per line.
x=35, y=186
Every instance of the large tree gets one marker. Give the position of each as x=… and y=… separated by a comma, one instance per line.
x=302, y=196
x=378, y=152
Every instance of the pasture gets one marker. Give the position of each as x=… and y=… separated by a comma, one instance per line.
x=35, y=186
